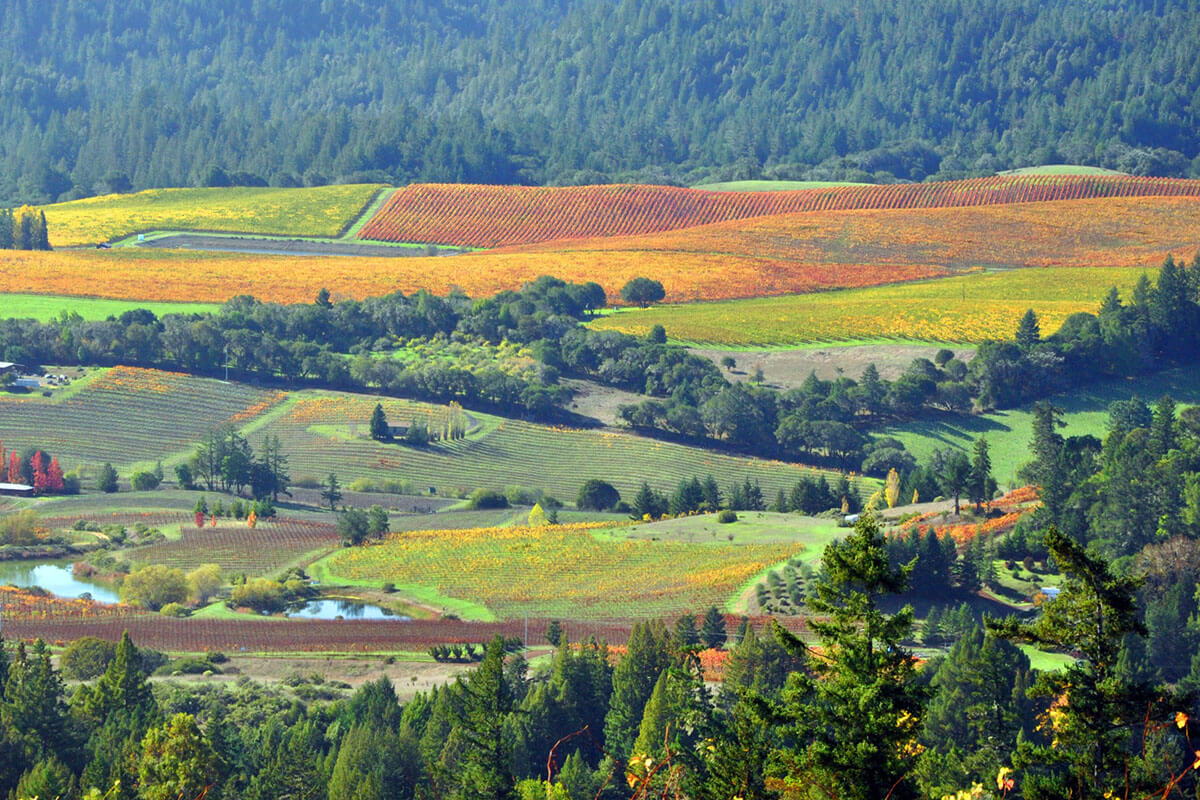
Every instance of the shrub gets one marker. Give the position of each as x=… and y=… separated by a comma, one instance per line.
x=144, y=481
x=487, y=498
x=154, y=586
x=597, y=495
x=173, y=610
x=728, y=515
x=261, y=594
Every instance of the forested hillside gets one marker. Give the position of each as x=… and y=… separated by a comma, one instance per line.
x=104, y=95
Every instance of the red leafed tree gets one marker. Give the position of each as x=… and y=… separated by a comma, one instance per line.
x=54, y=476
x=39, y=472
x=14, y=468
x=199, y=519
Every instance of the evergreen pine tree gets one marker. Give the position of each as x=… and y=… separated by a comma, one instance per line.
x=380, y=431
x=647, y=655
x=712, y=493
x=1029, y=332
x=712, y=631
x=856, y=716
x=982, y=485
x=6, y=229
x=685, y=635
x=1096, y=715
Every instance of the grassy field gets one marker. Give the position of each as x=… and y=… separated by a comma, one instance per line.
x=568, y=571
x=45, y=307
x=127, y=416
x=1061, y=169
x=327, y=432
x=1010, y=432
x=133, y=417
x=961, y=309
x=314, y=211
x=770, y=186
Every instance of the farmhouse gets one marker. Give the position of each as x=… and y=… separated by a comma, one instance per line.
x=7, y=366
x=16, y=490
x=398, y=431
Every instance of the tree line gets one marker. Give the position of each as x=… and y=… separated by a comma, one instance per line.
x=580, y=91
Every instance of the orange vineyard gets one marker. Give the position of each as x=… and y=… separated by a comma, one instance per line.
x=496, y=216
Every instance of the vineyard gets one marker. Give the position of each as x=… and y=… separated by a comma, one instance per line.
x=28, y=616
x=184, y=276
x=562, y=570
x=327, y=433
x=127, y=415
x=267, y=549
x=965, y=308
x=1078, y=233
x=314, y=211
x=496, y=216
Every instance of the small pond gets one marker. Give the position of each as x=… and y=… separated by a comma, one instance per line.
x=55, y=577
x=349, y=609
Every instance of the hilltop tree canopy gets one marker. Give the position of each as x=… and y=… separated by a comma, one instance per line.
x=100, y=96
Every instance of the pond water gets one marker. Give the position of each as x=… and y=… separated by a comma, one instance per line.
x=349, y=609
x=55, y=577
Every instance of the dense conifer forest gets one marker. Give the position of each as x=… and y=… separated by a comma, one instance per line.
x=100, y=96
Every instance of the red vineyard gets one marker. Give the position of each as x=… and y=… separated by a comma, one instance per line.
x=497, y=216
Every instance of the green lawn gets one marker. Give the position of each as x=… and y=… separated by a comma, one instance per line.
x=45, y=307
x=1010, y=432
x=1046, y=662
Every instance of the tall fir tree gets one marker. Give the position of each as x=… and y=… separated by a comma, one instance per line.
x=855, y=714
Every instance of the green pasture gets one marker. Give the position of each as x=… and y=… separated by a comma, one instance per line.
x=1009, y=432
x=47, y=307
x=1061, y=169
x=326, y=432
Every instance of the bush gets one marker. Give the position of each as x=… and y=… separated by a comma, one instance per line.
x=154, y=586
x=144, y=481
x=487, y=498
x=728, y=515
x=106, y=481
x=261, y=594
x=174, y=610
x=597, y=495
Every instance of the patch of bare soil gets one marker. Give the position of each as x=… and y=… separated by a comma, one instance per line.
x=787, y=369
x=409, y=677
x=599, y=402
